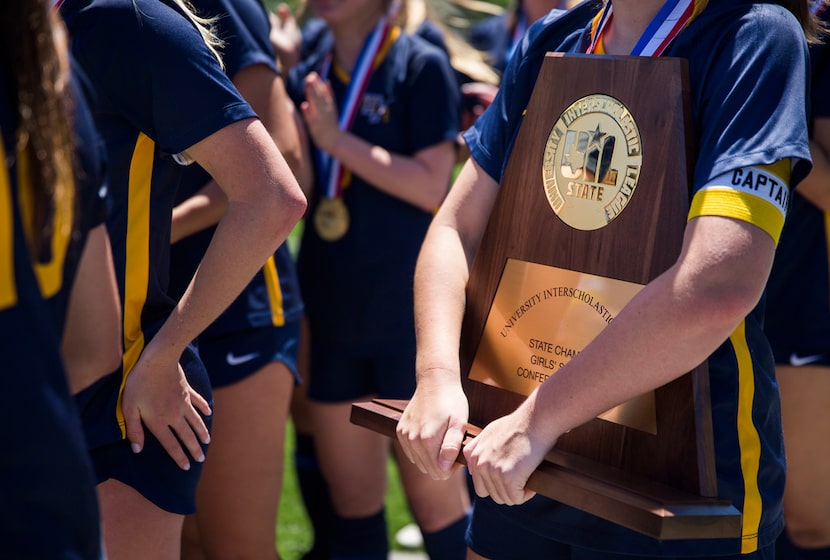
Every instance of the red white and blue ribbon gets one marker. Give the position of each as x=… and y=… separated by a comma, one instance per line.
x=817, y=7
x=332, y=170
x=672, y=18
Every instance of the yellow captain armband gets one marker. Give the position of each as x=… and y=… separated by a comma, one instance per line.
x=758, y=194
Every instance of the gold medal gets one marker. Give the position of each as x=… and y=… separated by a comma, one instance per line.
x=331, y=219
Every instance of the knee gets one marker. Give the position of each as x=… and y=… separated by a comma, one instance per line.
x=356, y=500
x=809, y=531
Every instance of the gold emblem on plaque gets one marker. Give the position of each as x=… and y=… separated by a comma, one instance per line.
x=331, y=219
x=592, y=162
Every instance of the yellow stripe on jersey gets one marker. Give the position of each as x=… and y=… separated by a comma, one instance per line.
x=49, y=274
x=8, y=287
x=272, y=283
x=758, y=195
x=137, y=265
x=749, y=442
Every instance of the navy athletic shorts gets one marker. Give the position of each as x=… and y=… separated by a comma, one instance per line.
x=233, y=357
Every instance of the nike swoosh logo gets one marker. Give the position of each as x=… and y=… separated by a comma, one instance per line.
x=237, y=360
x=796, y=360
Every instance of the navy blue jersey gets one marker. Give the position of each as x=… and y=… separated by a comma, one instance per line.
x=358, y=290
x=753, y=116
x=145, y=110
x=244, y=27
x=48, y=486
x=273, y=295
x=798, y=291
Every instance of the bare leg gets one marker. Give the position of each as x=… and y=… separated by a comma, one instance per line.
x=353, y=460
x=135, y=528
x=435, y=504
x=191, y=542
x=237, y=499
x=805, y=397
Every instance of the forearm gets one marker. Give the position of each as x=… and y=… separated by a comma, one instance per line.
x=198, y=212
x=440, y=279
x=264, y=204
x=670, y=327
x=225, y=269
x=443, y=269
x=403, y=177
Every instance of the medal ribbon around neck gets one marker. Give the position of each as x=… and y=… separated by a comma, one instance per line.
x=331, y=168
x=817, y=7
x=672, y=18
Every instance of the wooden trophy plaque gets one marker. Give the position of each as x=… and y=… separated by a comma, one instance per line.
x=592, y=206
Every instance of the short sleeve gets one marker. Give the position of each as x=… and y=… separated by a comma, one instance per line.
x=433, y=116
x=165, y=82
x=750, y=95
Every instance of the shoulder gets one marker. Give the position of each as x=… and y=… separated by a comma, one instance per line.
x=244, y=28
x=747, y=25
x=414, y=60
x=419, y=52
x=420, y=46
x=483, y=34
x=141, y=28
x=431, y=32
x=316, y=38
x=120, y=16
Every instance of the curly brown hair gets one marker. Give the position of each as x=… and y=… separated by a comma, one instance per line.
x=34, y=58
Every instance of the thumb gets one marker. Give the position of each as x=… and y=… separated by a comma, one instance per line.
x=528, y=494
x=450, y=447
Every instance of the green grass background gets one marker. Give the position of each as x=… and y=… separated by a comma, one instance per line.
x=293, y=528
x=294, y=535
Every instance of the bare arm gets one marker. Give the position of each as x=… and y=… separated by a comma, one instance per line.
x=421, y=180
x=91, y=345
x=717, y=280
x=286, y=36
x=265, y=92
x=200, y=211
x=432, y=427
x=264, y=204
x=816, y=186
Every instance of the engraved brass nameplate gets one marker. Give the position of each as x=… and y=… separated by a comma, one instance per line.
x=541, y=317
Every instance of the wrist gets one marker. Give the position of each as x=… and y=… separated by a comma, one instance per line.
x=333, y=142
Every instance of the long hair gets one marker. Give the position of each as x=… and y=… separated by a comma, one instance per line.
x=34, y=58
x=813, y=28
x=205, y=27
